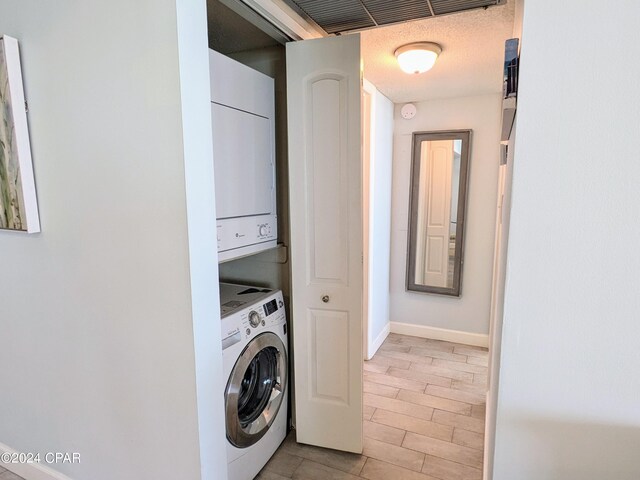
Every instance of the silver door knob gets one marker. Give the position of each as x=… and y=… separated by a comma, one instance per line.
x=325, y=298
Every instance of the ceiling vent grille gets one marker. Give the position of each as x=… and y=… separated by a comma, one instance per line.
x=338, y=16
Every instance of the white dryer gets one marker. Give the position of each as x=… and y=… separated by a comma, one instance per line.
x=255, y=360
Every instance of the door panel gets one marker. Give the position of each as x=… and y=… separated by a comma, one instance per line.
x=325, y=170
x=329, y=340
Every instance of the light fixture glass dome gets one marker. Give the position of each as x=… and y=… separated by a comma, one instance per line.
x=418, y=57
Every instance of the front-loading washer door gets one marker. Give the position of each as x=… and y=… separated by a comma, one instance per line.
x=255, y=390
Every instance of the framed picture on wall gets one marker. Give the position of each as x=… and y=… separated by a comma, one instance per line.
x=18, y=203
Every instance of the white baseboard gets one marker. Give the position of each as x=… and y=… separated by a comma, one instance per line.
x=375, y=345
x=456, y=336
x=31, y=471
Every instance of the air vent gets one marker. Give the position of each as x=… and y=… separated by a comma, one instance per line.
x=337, y=16
x=442, y=7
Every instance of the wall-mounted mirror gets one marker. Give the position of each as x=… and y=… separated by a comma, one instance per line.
x=436, y=211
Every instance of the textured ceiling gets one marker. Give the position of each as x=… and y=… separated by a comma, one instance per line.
x=471, y=60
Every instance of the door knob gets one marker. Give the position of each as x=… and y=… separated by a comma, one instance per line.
x=325, y=298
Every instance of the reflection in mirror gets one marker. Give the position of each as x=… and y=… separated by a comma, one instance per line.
x=436, y=211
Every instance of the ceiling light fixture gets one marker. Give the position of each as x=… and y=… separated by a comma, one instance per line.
x=418, y=57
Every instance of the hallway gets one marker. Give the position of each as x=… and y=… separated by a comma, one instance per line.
x=424, y=408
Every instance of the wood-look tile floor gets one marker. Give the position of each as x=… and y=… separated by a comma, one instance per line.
x=7, y=475
x=424, y=409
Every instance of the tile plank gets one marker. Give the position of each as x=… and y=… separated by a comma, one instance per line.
x=411, y=357
x=471, y=351
x=468, y=439
x=461, y=366
x=378, y=389
x=394, y=454
x=480, y=379
x=396, y=382
x=389, y=361
x=482, y=361
x=432, y=401
x=374, y=367
x=377, y=470
x=398, y=406
x=384, y=433
x=412, y=424
x=469, y=387
x=393, y=347
x=447, y=450
x=442, y=372
x=459, y=421
x=426, y=343
x=346, y=462
x=477, y=411
x=452, y=394
x=367, y=412
x=420, y=376
x=309, y=470
x=265, y=475
x=448, y=470
x=438, y=354
x=283, y=463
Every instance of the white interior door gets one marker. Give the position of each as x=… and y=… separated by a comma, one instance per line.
x=325, y=178
x=434, y=212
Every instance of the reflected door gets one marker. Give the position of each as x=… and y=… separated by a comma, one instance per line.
x=434, y=213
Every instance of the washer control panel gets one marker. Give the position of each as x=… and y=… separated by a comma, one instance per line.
x=254, y=319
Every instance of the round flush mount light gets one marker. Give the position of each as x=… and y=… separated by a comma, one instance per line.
x=418, y=57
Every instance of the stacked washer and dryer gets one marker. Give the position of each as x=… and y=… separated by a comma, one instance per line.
x=254, y=325
x=255, y=362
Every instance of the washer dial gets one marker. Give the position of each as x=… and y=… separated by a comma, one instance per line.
x=254, y=318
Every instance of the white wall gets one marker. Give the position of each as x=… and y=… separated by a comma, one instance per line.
x=380, y=182
x=470, y=312
x=98, y=312
x=195, y=95
x=568, y=400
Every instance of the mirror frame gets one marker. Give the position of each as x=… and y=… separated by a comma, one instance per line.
x=418, y=138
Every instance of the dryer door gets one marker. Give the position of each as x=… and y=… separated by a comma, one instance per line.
x=255, y=390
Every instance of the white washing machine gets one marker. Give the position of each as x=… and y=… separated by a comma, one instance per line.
x=255, y=360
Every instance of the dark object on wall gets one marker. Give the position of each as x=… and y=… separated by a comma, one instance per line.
x=509, y=86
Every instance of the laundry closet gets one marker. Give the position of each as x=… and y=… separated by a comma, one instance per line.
x=249, y=148
x=306, y=238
